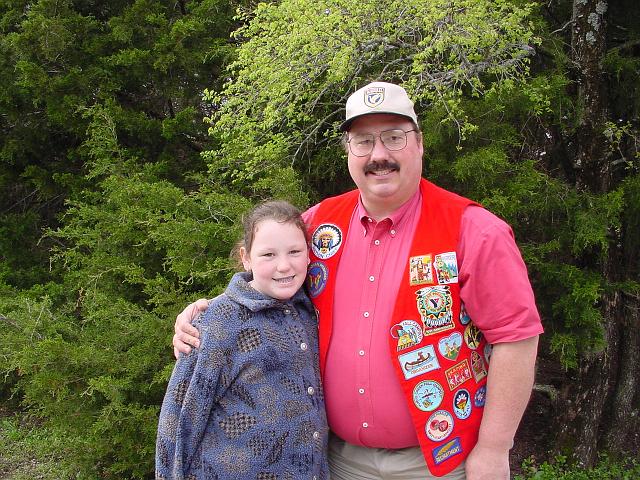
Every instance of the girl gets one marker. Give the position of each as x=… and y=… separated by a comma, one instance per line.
x=248, y=403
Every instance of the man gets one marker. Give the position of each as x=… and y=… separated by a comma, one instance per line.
x=428, y=325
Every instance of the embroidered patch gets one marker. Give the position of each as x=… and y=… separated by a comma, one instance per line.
x=326, y=241
x=427, y=395
x=418, y=362
x=408, y=333
x=439, y=426
x=420, y=272
x=317, y=276
x=464, y=316
x=480, y=396
x=373, y=96
x=477, y=366
x=458, y=374
x=446, y=451
x=435, y=307
x=446, y=266
x=488, y=349
x=472, y=336
x=462, y=404
x=449, y=347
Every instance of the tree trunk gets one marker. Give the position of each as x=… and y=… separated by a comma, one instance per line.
x=598, y=407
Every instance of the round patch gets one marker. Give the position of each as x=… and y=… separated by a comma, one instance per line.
x=480, y=396
x=439, y=426
x=462, y=404
x=472, y=336
x=488, y=348
x=408, y=333
x=464, y=316
x=317, y=275
x=427, y=395
x=326, y=241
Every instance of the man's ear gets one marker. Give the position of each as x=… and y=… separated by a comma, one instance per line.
x=246, y=261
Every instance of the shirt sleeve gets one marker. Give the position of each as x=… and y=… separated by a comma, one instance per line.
x=494, y=284
x=191, y=396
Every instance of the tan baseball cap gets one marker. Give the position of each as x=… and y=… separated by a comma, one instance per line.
x=379, y=97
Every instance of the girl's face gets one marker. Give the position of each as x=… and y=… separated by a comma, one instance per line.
x=278, y=259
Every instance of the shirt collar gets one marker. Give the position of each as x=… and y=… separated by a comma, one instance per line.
x=397, y=219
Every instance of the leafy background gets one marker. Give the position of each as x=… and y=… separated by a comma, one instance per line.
x=136, y=133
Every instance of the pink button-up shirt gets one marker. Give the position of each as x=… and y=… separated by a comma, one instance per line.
x=364, y=401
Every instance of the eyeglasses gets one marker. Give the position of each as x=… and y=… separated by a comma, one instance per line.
x=361, y=144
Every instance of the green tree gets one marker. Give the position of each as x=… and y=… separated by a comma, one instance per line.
x=545, y=151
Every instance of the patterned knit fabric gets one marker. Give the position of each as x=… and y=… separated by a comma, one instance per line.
x=248, y=403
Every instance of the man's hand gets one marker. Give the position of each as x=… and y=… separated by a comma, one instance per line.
x=187, y=335
x=485, y=463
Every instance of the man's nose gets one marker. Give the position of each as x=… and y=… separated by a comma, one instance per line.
x=379, y=151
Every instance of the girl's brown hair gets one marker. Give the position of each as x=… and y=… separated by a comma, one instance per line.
x=277, y=210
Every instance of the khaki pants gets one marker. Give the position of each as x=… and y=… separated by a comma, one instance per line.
x=352, y=462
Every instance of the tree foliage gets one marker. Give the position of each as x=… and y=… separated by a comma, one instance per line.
x=117, y=208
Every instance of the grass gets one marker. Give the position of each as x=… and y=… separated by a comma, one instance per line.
x=561, y=469
x=29, y=451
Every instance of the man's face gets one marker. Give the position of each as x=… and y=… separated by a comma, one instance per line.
x=386, y=179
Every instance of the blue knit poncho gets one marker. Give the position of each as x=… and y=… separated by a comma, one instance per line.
x=247, y=404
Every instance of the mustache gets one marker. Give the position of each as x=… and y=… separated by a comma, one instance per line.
x=383, y=165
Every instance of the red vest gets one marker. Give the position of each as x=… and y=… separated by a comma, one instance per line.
x=440, y=357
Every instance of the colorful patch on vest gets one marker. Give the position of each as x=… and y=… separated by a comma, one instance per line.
x=373, y=96
x=458, y=374
x=418, y=362
x=317, y=276
x=488, y=349
x=462, y=404
x=435, y=307
x=449, y=347
x=446, y=266
x=472, y=336
x=408, y=333
x=326, y=241
x=439, y=426
x=446, y=451
x=480, y=396
x=427, y=395
x=464, y=316
x=477, y=366
x=420, y=272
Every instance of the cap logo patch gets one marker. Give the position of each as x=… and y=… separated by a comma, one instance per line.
x=373, y=96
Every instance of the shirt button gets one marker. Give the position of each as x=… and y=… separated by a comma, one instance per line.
x=316, y=435
x=371, y=278
x=377, y=242
x=369, y=219
x=361, y=391
x=365, y=314
x=310, y=391
x=303, y=346
x=365, y=425
x=361, y=353
x=287, y=311
x=393, y=232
